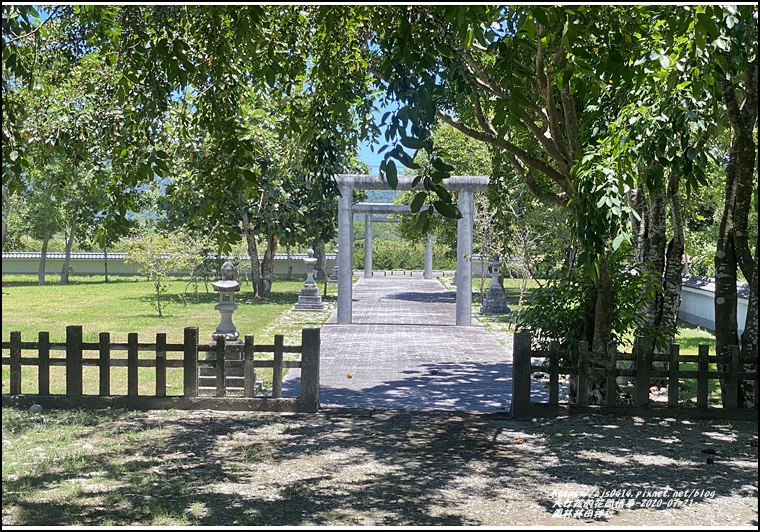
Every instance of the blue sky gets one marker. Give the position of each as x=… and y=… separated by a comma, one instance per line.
x=365, y=153
x=372, y=159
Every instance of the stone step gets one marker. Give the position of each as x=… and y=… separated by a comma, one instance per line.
x=229, y=371
x=210, y=391
x=230, y=381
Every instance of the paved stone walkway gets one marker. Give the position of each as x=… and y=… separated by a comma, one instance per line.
x=404, y=351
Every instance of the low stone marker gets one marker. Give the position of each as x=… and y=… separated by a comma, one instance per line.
x=310, y=298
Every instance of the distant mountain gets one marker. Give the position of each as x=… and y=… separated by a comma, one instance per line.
x=381, y=196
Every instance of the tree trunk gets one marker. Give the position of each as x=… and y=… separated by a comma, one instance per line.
x=733, y=249
x=321, y=255
x=253, y=252
x=67, y=258
x=656, y=255
x=158, y=300
x=655, y=242
x=290, y=266
x=749, y=338
x=43, y=259
x=603, y=310
x=6, y=201
x=673, y=277
x=638, y=204
x=105, y=260
x=267, y=266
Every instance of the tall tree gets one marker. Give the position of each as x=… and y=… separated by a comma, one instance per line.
x=735, y=69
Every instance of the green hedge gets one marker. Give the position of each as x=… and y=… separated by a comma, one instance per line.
x=400, y=256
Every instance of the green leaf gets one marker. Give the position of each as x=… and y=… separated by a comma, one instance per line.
x=439, y=164
x=447, y=209
x=540, y=16
x=443, y=193
x=391, y=174
x=618, y=240
x=418, y=201
x=423, y=221
x=412, y=143
x=444, y=49
x=404, y=157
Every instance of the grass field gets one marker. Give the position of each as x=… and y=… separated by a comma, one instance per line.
x=125, y=305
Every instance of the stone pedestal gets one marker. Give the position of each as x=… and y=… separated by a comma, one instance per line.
x=309, y=299
x=495, y=300
x=234, y=376
x=226, y=328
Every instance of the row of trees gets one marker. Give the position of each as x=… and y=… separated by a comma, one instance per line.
x=89, y=143
x=609, y=115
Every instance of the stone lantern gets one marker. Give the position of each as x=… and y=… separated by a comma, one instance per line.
x=310, y=298
x=226, y=287
x=495, y=300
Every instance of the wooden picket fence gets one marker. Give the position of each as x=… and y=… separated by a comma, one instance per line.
x=643, y=354
x=75, y=360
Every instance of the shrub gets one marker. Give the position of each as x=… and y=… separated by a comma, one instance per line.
x=400, y=256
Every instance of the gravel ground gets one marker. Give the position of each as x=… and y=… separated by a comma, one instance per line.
x=351, y=467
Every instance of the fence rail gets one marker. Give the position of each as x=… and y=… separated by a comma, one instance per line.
x=730, y=373
x=216, y=358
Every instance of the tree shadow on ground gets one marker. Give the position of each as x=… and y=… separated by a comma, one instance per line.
x=357, y=467
x=423, y=297
x=243, y=298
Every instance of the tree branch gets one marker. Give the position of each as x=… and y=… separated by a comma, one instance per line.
x=477, y=68
x=571, y=122
x=548, y=144
x=551, y=110
x=531, y=184
x=481, y=118
x=53, y=13
x=529, y=160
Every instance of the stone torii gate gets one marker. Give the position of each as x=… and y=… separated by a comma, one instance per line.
x=466, y=185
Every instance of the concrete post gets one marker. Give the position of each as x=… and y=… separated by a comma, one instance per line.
x=464, y=257
x=346, y=255
x=368, y=245
x=428, y=274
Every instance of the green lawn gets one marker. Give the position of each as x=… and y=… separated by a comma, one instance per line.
x=126, y=305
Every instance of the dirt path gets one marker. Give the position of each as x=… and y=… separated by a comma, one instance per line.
x=343, y=467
